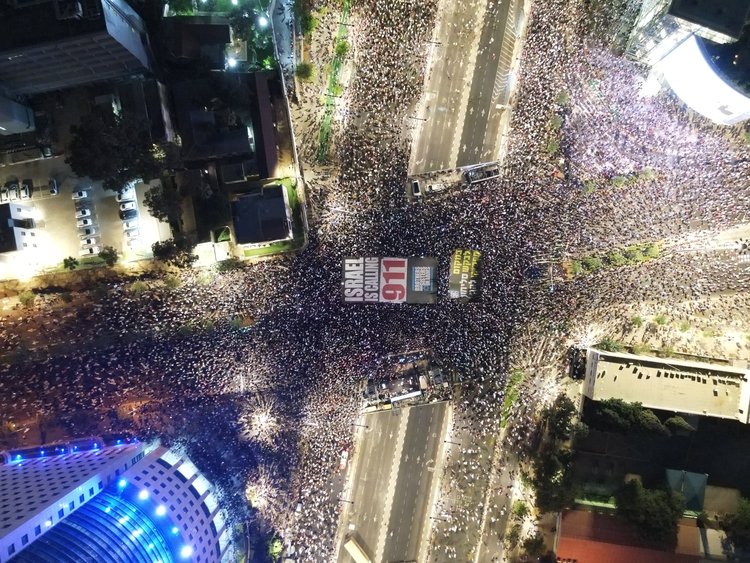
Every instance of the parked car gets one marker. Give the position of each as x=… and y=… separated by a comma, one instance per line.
x=128, y=194
x=27, y=187
x=87, y=232
x=83, y=212
x=126, y=205
x=91, y=241
x=84, y=222
x=4, y=195
x=132, y=224
x=128, y=214
x=80, y=194
x=132, y=233
x=415, y=188
x=12, y=190
x=89, y=251
x=54, y=187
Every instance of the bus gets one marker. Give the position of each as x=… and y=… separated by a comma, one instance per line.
x=355, y=550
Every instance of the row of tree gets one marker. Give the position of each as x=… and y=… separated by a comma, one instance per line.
x=616, y=415
x=552, y=477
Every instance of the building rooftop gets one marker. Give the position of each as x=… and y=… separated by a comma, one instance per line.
x=191, y=38
x=58, y=44
x=590, y=537
x=261, y=216
x=669, y=384
x=725, y=16
x=28, y=485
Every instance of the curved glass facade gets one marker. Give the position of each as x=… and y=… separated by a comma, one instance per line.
x=108, y=528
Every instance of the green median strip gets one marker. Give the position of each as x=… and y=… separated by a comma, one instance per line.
x=333, y=86
x=512, y=390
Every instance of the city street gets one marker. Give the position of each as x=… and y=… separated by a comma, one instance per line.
x=459, y=118
x=393, y=476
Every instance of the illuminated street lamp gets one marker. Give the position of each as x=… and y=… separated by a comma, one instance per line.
x=231, y=62
x=262, y=21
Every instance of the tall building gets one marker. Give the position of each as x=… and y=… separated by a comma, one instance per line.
x=114, y=502
x=50, y=45
x=662, y=25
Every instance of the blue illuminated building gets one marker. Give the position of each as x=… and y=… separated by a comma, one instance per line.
x=108, y=500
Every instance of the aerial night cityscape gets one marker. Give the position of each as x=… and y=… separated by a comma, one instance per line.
x=374, y=281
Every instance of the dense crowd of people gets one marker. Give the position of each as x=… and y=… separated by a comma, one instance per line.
x=257, y=371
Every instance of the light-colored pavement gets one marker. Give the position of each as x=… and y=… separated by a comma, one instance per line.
x=467, y=89
x=394, y=475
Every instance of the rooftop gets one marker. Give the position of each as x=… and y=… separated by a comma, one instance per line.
x=726, y=16
x=261, y=216
x=590, y=537
x=189, y=38
x=668, y=384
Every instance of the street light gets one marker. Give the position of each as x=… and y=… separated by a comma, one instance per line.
x=344, y=500
x=360, y=425
x=232, y=62
x=262, y=21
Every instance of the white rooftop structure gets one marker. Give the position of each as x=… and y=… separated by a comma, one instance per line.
x=127, y=501
x=669, y=384
x=36, y=493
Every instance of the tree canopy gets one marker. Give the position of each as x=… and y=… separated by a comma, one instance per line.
x=553, y=480
x=560, y=417
x=109, y=255
x=738, y=526
x=178, y=252
x=112, y=149
x=653, y=512
x=619, y=416
x=164, y=203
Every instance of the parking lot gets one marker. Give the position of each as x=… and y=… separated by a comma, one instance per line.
x=79, y=227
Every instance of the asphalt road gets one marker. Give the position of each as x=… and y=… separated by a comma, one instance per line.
x=392, y=480
x=416, y=476
x=458, y=121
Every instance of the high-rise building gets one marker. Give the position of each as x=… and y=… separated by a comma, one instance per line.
x=50, y=45
x=122, y=500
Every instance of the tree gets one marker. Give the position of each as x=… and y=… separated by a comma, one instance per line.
x=26, y=298
x=609, y=344
x=553, y=480
x=70, y=263
x=653, y=512
x=592, y=263
x=737, y=525
x=304, y=71
x=164, y=203
x=342, y=48
x=534, y=545
x=178, y=252
x=678, y=423
x=520, y=510
x=616, y=259
x=172, y=282
x=648, y=422
x=560, y=417
x=113, y=149
x=109, y=255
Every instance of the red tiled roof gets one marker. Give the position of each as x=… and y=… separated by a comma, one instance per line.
x=589, y=537
x=587, y=551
